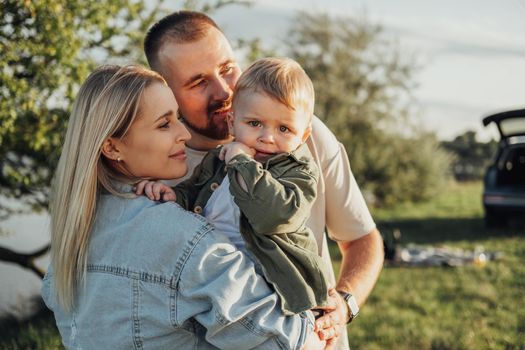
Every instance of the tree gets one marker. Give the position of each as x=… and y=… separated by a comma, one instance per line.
x=363, y=90
x=471, y=158
x=48, y=48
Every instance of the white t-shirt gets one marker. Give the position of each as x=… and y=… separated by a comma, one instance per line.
x=222, y=212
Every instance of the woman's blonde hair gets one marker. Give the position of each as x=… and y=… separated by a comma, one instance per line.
x=107, y=104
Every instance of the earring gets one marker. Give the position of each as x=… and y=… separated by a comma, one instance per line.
x=118, y=159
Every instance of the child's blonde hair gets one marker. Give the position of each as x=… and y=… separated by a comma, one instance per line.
x=107, y=104
x=280, y=78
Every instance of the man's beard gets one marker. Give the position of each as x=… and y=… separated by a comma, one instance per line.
x=217, y=127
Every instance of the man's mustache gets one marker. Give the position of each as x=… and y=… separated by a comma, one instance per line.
x=219, y=105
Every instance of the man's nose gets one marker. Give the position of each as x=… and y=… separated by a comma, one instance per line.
x=221, y=90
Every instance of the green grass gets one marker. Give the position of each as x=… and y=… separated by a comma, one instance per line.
x=468, y=307
x=38, y=333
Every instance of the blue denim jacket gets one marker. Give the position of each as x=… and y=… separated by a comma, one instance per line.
x=159, y=277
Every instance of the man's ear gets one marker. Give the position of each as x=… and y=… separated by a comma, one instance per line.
x=230, y=119
x=307, y=133
x=111, y=149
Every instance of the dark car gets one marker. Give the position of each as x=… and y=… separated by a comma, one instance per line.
x=504, y=183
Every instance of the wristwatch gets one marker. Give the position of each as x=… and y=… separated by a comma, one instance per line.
x=351, y=304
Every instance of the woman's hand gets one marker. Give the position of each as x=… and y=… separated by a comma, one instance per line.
x=330, y=326
x=230, y=150
x=155, y=191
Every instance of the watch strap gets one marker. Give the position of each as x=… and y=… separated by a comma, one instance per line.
x=351, y=304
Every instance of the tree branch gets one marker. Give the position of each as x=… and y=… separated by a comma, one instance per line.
x=25, y=260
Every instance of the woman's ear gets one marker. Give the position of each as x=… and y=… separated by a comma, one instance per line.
x=230, y=119
x=111, y=149
x=307, y=133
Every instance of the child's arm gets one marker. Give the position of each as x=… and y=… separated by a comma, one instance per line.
x=155, y=191
x=274, y=205
x=232, y=149
x=185, y=193
x=158, y=191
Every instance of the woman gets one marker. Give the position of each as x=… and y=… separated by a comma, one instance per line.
x=127, y=272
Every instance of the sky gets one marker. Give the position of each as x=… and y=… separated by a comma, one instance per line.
x=471, y=53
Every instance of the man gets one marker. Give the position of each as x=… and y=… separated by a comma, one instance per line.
x=197, y=61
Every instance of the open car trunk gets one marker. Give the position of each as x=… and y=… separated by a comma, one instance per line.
x=510, y=124
x=511, y=168
x=504, y=182
x=510, y=162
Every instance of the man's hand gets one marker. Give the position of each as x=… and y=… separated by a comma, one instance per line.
x=155, y=191
x=230, y=150
x=330, y=326
x=313, y=342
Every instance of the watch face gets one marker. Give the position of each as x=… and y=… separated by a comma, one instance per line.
x=352, y=304
x=353, y=308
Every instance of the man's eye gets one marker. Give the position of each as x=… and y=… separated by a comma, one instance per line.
x=254, y=123
x=165, y=125
x=199, y=83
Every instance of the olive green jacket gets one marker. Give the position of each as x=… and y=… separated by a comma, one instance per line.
x=274, y=210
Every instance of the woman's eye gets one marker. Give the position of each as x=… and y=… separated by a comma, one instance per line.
x=254, y=123
x=284, y=129
x=165, y=125
x=227, y=69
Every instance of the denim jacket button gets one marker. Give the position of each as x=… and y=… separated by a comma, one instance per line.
x=197, y=209
x=214, y=186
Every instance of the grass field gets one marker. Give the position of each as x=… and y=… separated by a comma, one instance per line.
x=469, y=307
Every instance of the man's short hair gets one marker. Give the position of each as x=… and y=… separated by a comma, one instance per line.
x=282, y=79
x=178, y=27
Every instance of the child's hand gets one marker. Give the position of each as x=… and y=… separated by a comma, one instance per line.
x=230, y=150
x=155, y=191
